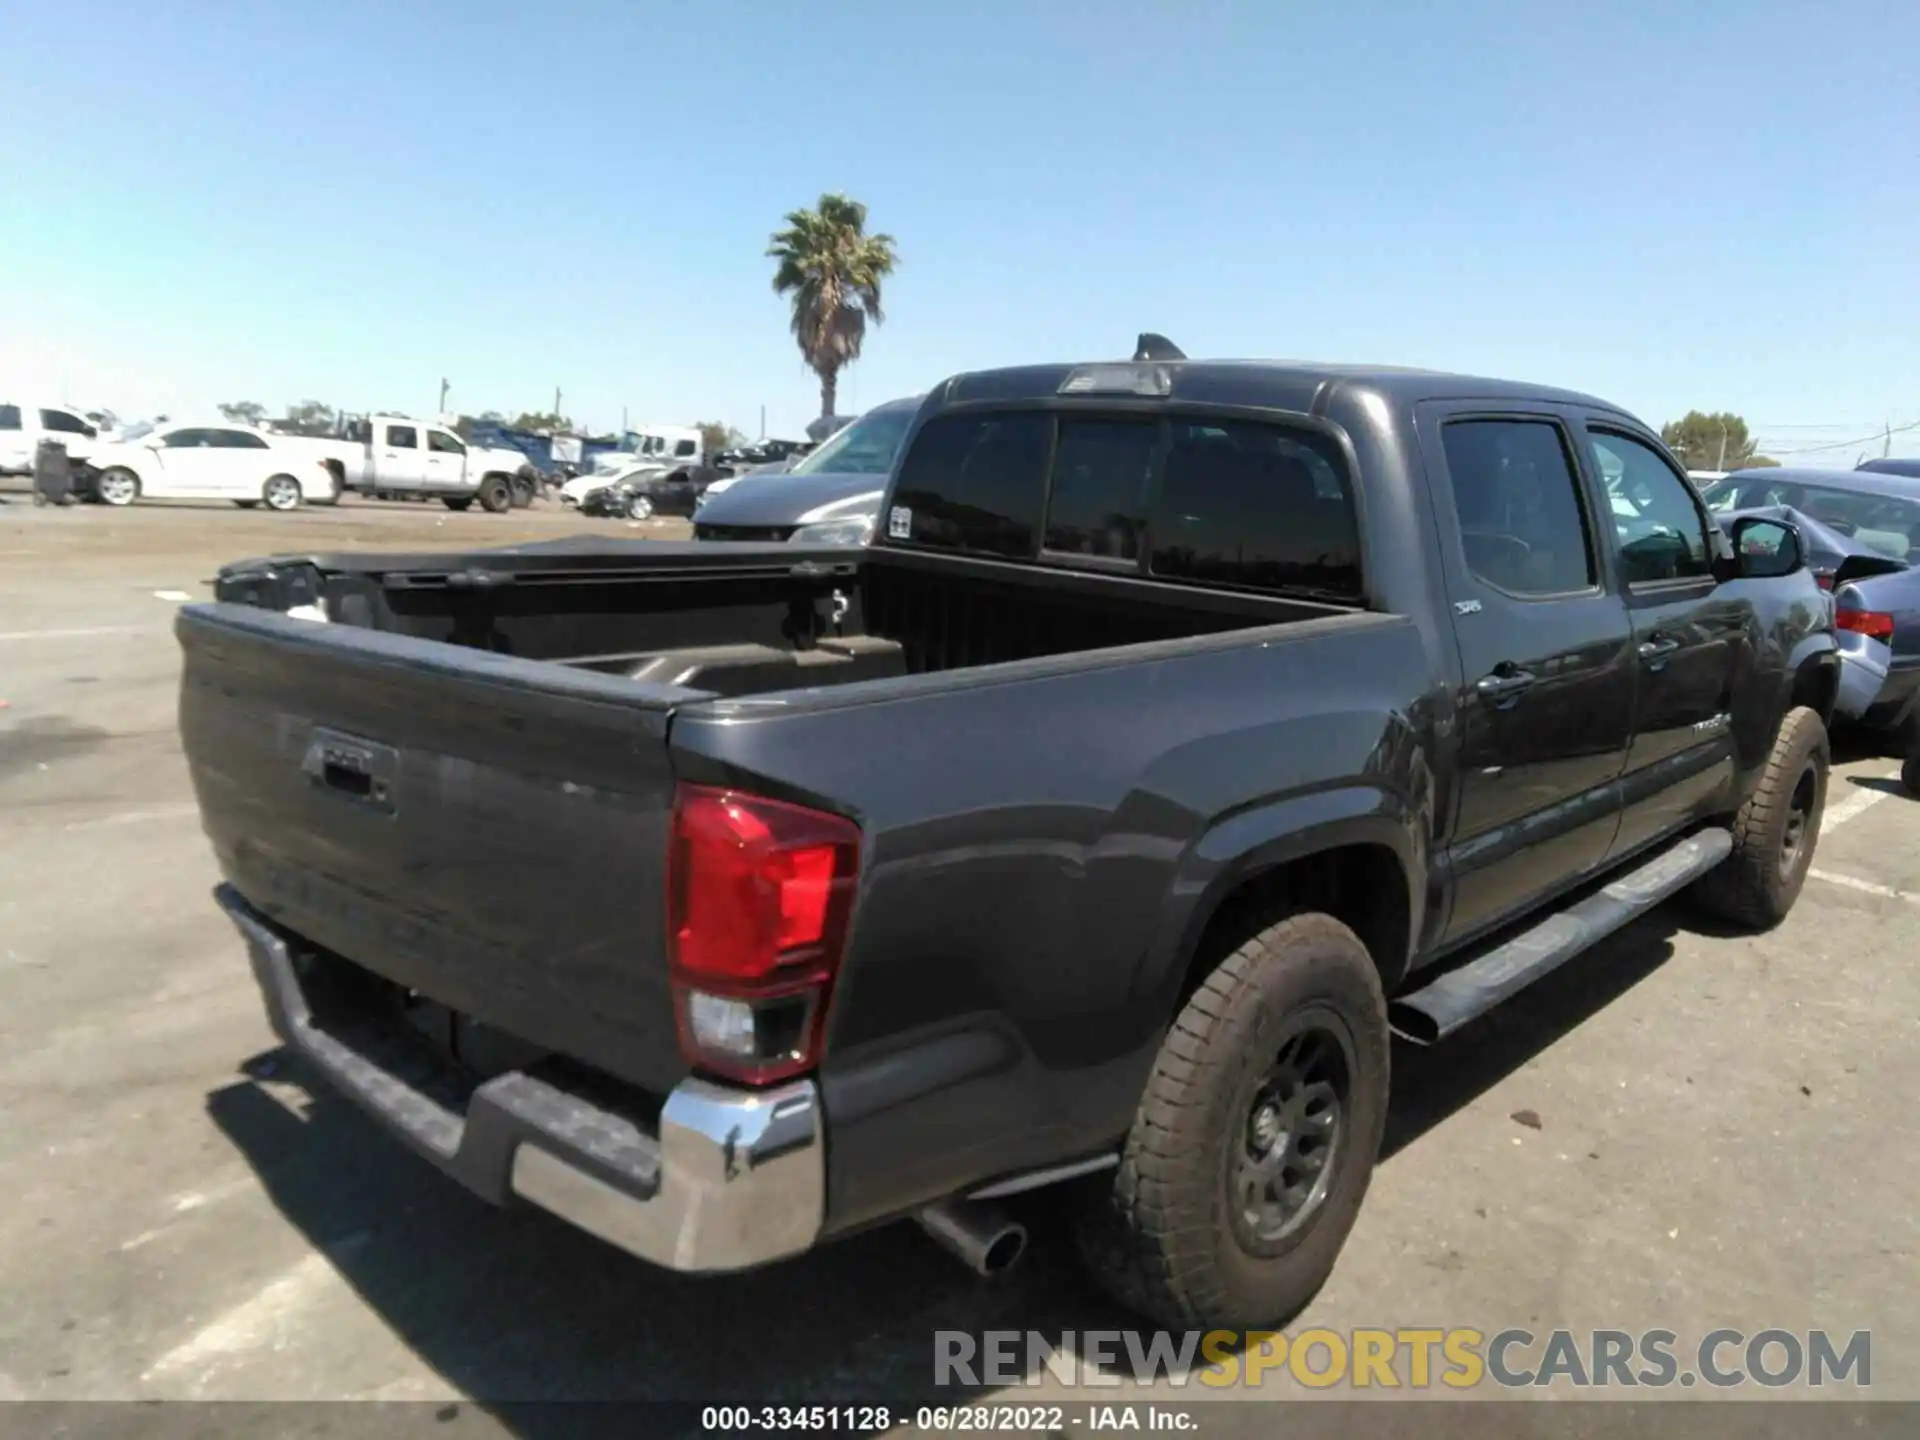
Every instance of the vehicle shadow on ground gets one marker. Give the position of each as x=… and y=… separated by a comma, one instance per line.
x=517, y=1308
x=1431, y=1082
x=1886, y=785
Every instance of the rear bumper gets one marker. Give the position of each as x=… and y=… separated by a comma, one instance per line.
x=728, y=1179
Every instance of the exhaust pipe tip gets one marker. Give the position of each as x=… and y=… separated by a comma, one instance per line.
x=982, y=1236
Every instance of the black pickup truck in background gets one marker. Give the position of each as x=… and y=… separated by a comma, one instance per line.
x=1187, y=727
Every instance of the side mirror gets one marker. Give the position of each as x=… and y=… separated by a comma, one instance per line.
x=1764, y=549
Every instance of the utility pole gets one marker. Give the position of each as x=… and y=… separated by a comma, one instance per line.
x=556, y=403
x=1886, y=445
x=443, y=396
x=1723, y=447
x=623, y=420
x=763, y=422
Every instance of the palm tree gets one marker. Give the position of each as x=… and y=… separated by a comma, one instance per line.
x=832, y=269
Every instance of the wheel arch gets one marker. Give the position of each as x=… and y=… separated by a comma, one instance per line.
x=1815, y=680
x=1355, y=853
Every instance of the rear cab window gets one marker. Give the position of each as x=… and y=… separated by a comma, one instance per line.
x=9, y=417
x=1225, y=503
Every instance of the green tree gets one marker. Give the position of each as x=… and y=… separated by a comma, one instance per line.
x=716, y=435
x=244, y=412
x=464, y=426
x=545, y=420
x=831, y=270
x=310, y=417
x=1713, y=442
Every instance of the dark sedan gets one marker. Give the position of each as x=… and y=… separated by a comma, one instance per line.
x=829, y=498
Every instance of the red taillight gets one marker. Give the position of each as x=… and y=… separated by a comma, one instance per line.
x=1823, y=578
x=758, y=894
x=1874, y=624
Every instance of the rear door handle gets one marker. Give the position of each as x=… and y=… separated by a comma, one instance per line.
x=1504, y=684
x=1657, y=649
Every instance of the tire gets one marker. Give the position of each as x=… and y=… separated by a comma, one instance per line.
x=1774, y=832
x=639, y=507
x=281, y=492
x=496, y=495
x=1175, y=1239
x=118, y=486
x=522, y=490
x=456, y=502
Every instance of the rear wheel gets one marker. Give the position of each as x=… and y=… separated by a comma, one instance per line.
x=281, y=492
x=523, y=489
x=456, y=502
x=1256, y=1137
x=1774, y=833
x=118, y=486
x=496, y=495
x=639, y=507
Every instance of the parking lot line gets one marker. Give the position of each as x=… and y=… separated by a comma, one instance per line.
x=1851, y=807
x=264, y=1319
x=81, y=632
x=1865, y=887
x=186, y=809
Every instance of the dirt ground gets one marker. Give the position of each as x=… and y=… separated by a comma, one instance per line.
x=1725, y=1136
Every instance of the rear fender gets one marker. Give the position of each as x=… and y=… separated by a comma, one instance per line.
x=1243, y=845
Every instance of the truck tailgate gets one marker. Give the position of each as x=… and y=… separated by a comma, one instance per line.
x=487, y=831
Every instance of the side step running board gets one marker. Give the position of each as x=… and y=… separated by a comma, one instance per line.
x=1442, y=1007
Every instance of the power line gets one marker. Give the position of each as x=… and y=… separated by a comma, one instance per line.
x=1881, y=434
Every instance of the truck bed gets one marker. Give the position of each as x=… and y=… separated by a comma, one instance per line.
x=758, y=620
x=462, y=783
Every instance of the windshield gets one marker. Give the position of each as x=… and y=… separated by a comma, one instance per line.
x=866, y=447
x=1887, y=524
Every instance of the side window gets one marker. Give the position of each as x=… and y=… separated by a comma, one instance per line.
x=684, y=448
x=186, y=439
x=1662, y=536
x=975, y=482
x=1255, y=505
x=1522, y=526
x=441, y=443
x=63, y=423
x=1097, y=503
x=403, y=437
x=235, y=440
x=9, y=417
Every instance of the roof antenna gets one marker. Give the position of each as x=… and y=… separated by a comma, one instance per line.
x=1156, y=347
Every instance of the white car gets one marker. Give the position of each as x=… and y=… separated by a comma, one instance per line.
x=576, y=490
x=23, y=427
x=209, y=462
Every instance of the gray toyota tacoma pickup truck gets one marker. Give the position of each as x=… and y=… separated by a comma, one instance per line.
x=1188, y=728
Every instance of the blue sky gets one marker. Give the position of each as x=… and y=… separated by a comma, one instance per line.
x=1710, y=204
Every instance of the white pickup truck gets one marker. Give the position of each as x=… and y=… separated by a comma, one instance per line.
x=399, y=457
x=24, y=425
x=671, y=447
